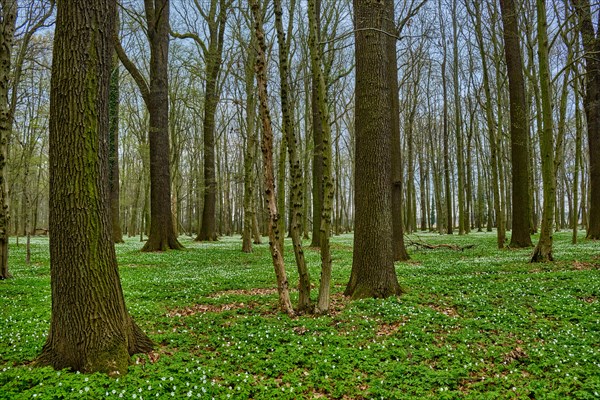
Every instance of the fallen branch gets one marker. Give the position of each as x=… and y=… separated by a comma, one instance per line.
x=424, y=245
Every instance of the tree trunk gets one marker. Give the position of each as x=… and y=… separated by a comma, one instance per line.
x=8, y=19
x=543, y=249
x=317, y=125
x=591, y=103
x=578, y=151
x=267, y=151
x=373, y=273
x=320, y=100
x=250, y=148
x=296, y=205
x=398, y=248
x=156, y=96
x=519, y=128
x=90, y=328
x=493, y=141
x=113, y=155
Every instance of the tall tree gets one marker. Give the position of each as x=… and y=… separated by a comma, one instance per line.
x=216, y=19
x=590, y=35
x=267, y=151
x=317, y=134
x=8, y=19
x=463, y=218
x=373, y=273
x=326, y=184
x=543, y=249
x=398, y=247
x=446, y=128
x=90, y=328
x=492, y=129
x=294, y=158
x=156, y=96
x=519, y=127
x=11, y=69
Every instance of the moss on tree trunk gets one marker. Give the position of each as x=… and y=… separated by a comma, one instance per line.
x=90, y=328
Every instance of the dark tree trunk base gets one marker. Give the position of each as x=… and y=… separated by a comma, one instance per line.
x=162, y=244
x=112, y=360
x=366, y=291
x=542, y=253
x=207, y=238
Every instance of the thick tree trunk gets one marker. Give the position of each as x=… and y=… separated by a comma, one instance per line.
x=8, y=18
x=162, y=236
x=373, y=273
x=591, y=103
x=113, y=155
x=519, y=128
x=90, y=328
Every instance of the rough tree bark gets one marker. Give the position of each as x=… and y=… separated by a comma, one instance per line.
x=373, y=273
x=519, y=127
x=90, y=328
x=591, y=103
x=317, y=134
x=113, y=154
x=8, y=19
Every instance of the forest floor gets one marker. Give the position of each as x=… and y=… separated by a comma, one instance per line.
x=478, y=323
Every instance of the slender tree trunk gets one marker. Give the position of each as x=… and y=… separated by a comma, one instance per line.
x=267, y=151
x=90, y=328
x=577, y=167
x=250, y=149
x=317, y=133
x=463, y=218
x=493, y=141
x=398, y=248
x=326, y=155
x=543, y=249
x=294, y=159
x=446, y=132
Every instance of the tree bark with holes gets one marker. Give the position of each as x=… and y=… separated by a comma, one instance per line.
x=267, y=151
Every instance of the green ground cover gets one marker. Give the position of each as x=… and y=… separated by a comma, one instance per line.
x=479, y=323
